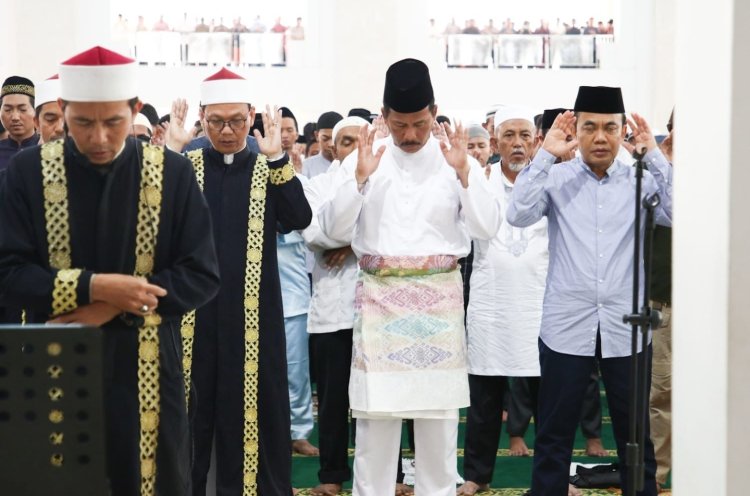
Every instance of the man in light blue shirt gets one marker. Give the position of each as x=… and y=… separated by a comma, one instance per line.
x=295, y=294
x=588, y=202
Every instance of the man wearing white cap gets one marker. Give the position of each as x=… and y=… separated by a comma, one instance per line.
x=48, y=117
x=410, y=208
x=103, y=230
x=507, y=287
x=331, y=318
x=239, y=357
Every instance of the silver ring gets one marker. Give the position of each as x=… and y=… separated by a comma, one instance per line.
x=144, y=309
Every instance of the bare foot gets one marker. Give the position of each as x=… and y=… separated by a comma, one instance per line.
x=594, y=447
x=518, y=446
x=295, y=492
x=573, y=491
x=470, y=488
x=403, y=489
x=326, y=490
x=303, y=447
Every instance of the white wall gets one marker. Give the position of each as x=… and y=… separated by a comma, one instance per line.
x=350, y=45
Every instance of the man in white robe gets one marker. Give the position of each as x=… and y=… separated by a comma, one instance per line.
x=413, y=204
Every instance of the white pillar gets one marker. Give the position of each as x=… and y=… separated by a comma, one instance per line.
x=711, y=246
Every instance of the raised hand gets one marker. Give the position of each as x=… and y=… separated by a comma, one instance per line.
x=643, y=139
x=454, y=150
x=560, y=140
x=438, y=131
x=270, y=144
x=367, y=161
x=381, y=129
x=177, y=137
x=296, y=159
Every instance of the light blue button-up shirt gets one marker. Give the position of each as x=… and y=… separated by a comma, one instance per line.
x=590, y=279
x=295, y=284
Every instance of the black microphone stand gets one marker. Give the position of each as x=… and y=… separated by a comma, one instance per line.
x=643, y=320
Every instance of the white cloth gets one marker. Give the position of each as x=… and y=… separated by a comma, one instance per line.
x=377, y=449
x=413, y=205
x=312, y=166
x=332, y=304
x=507, y=292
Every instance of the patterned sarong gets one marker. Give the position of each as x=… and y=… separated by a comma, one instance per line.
x=409, y=350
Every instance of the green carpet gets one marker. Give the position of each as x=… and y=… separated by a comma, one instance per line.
x=512, y=475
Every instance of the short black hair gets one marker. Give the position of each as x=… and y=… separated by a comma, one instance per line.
x=285, y=112
x=151, y=114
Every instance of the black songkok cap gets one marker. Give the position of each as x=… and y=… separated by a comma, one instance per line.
x=599, y=100
x=328, y=120
x=361, y=112
x=285, y=112
x=407, y=86
x=17, y=85
x=549, y=117
x=149, y=111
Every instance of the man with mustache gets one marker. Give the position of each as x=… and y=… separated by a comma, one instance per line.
x=410, y=205
x=588, y=202
x=17, y=116
x=239, y=369
x=48, y=117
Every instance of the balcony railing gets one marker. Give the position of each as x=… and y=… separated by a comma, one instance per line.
x=520, y=51
x=171, y=48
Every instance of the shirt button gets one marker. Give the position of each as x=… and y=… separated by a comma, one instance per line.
x=600, y=206
x=600, y=231
x=601, y=280
x=601, y=255
x=600, y=305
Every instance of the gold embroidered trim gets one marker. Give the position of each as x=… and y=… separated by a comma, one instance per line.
x=23, y=89
x=187, y=326
x=55, y=186
x=253, y=266
x=147, y=229
x=64, y=297
x=282, y=175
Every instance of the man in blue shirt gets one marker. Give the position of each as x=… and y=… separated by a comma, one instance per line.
x=588, y=202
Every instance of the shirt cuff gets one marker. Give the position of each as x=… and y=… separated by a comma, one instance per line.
x=543, y=161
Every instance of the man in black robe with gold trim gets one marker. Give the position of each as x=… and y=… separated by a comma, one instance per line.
x=103, y=230
x=239, y=367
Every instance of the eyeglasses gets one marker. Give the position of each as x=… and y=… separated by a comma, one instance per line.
x=234, y=124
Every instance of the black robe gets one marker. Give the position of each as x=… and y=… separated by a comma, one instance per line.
x=103, y=205
x=219, y=352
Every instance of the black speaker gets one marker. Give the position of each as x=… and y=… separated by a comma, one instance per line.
x=51, y=411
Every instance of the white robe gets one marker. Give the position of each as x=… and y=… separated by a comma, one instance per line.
x=412, y=205
x=507, y=291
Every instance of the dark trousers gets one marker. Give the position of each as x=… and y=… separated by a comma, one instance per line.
x=483, y=424
x=332, y=354
x=523, y=405
x=561, y=391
